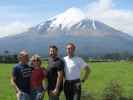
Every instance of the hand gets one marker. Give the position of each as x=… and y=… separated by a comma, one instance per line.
x=18, y=93
x=54, y=92
x=39, y=96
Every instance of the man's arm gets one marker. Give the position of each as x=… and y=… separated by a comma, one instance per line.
x=86, y=74
x=58, y=83
x=13, y=82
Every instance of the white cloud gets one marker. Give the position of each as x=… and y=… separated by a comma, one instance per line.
x=105, y=4
x=104, y=11
x=13, y=28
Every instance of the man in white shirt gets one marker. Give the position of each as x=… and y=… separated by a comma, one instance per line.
x=73, y=66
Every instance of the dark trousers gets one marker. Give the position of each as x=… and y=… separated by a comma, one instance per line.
x=53, y=97
x=57, y=97
x=72, y=89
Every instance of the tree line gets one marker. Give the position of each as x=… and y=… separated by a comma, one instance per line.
x=7, y=57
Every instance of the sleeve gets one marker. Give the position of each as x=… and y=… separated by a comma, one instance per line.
x=14, y=72
x=82, y=63
x=44, y=73
x=61, y=65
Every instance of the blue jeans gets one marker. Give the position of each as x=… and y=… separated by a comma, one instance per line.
x=37, y=94
x=24, y=96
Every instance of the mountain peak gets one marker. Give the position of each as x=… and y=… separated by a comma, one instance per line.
x=68, y=18
x=74, y=22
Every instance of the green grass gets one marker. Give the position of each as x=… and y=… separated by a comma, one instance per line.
x=101, y=75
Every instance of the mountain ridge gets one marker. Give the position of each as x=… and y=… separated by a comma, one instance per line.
x=91, y=37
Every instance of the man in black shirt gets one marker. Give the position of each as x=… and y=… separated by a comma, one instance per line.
x=55, y=74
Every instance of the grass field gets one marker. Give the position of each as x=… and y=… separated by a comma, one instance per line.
x=101, y=75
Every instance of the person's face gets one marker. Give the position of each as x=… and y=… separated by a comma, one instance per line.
x=70, y=50
x=36, y=63
x=24, y=58
x=52, y=52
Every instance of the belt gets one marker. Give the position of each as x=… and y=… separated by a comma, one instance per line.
x=73, y=81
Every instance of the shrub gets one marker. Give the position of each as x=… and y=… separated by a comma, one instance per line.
x=86, y=95
x=113, y=91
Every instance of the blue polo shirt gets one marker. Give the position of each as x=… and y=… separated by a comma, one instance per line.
x=22, y=72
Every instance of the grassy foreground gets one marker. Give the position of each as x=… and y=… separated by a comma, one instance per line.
x=101, y=75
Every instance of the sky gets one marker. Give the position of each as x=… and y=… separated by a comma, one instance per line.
x=17, y=16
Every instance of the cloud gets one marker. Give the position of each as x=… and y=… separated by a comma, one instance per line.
x=104, y=11
x=13, y=28
x=100, y=5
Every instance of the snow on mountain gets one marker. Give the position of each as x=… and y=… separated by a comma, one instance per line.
x=73, y=22
x=92, y=37
x=68, y=18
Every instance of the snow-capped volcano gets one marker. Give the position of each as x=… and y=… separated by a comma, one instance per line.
x=67, y=19
x=71, y=19
x=92, y=37
x=73, y=22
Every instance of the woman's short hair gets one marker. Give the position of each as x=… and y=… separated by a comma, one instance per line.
x=35, y=57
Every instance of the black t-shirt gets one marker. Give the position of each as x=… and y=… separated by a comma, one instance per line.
x=54, y=65
x=22, y=72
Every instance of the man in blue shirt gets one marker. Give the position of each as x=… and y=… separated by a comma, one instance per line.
x=21, y=75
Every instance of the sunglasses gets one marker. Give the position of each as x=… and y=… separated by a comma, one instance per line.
x=35, y=60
